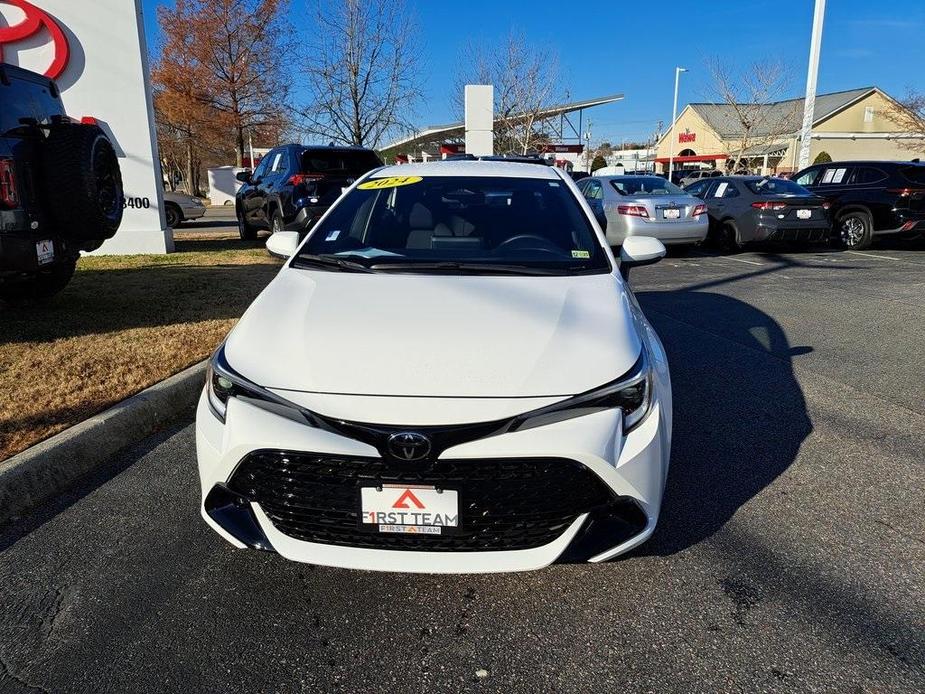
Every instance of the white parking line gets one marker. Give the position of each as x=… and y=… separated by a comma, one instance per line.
x=871, y=255
x=728, y=257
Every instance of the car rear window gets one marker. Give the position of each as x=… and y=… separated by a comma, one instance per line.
x=339, y=161
x=644, y=185
x=776, y=186
x=916, y=174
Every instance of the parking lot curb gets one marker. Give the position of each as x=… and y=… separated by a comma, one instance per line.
x=48, y=468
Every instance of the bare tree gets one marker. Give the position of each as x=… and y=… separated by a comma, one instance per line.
x=908, y=115
x=755, y=96
x=526, y=80
x=235, y=50
x=362, y=72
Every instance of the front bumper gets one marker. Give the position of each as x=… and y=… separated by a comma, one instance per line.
x=194, y=212
x=631, y=470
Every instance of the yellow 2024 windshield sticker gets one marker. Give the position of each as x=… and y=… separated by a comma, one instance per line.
x=390, y=182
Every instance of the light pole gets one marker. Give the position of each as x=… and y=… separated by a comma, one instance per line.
x=674, y=117
x=809, y=105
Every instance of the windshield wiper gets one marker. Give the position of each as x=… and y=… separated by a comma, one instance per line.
x=454, y=266
x=330, y=262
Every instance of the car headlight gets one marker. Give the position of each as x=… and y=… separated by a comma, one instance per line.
x=631, y=393
x=224, y=383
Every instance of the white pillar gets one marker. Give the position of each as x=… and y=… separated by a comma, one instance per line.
x=809, y=106
x=480, y=119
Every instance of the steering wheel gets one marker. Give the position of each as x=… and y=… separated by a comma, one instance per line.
x=518, y=242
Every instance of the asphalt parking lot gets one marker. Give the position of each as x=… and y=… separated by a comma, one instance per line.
x=790, y=555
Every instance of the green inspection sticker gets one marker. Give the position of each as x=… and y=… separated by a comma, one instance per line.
x=581, y=254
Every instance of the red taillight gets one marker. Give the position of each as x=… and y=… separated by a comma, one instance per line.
x=89, y=120
x=9, y=195
x=633, y=210
x=769, y=205
x=906, y=192
x=299, y=179
x=826, y=205
x=699, y=210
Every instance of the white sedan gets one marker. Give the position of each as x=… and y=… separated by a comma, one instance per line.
x=450, y=374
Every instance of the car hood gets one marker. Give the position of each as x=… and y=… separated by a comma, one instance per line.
x=435, y=335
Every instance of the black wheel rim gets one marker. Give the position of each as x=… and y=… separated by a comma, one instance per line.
x=107, y=184
x=852, y=230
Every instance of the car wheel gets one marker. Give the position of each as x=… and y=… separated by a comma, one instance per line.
x=730, y=241
x=173, y=215
x=245, y=230
x=277, y=224
x=43, y=285
x=855, y=231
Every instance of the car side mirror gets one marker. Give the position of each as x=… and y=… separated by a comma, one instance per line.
x=637, y=251
x=244, y=176
x=283, y=244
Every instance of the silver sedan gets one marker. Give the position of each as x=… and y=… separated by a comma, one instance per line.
x=645, y=206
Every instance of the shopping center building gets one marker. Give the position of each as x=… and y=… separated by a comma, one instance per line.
x=852, y=124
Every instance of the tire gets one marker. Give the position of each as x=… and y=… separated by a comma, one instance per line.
x=83, y=182
x=173, y=214
x=42, y=285
x=729, y=237
x=277, y=224
x=855, y=230
x=245, y=230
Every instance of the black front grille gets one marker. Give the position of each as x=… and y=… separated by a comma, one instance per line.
x=505, y=504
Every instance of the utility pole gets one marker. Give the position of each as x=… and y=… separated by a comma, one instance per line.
x=674, y=117
x=588, y=146
x=809, y=105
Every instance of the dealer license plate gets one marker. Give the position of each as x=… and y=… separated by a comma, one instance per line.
x=804, y=214
x=672, y=213
x=397, y=508
x=45, y=252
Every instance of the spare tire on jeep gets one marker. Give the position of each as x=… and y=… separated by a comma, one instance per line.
x=83, y=182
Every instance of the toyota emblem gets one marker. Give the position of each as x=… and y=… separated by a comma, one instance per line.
x=409, y=447
x=35, y=22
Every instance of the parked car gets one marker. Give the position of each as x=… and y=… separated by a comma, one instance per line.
x=60, y=187
x=695, y=176
x=180, y=207
x=645, y=206
x=680, y=174
x=743, y=209
x=870, y=199
x=295, y=184
x=456, y=440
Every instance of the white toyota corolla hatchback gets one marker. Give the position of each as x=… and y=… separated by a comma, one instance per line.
x=450, y=374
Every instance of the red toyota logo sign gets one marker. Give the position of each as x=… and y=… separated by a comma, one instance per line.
x=35, y=21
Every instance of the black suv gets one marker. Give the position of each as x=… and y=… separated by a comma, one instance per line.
x=870, y=198
x=60, y=187
x=295, y=184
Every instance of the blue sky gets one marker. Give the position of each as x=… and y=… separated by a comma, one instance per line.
x=632, y=47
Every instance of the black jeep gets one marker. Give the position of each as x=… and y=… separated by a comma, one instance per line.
x=60, y=187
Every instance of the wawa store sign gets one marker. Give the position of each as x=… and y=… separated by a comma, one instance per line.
x=95, y=51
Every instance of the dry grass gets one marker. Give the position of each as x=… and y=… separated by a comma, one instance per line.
x=123, y=324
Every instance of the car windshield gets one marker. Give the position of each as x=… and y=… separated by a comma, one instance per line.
x=645, y=185
x=457, y=224
x=776, y=186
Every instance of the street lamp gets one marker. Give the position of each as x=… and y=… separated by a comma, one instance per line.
x=674, y=117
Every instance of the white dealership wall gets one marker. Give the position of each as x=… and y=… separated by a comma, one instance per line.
x=107, y=77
